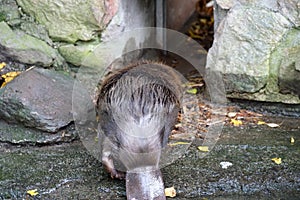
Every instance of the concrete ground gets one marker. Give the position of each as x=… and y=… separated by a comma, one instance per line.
x=68, y=171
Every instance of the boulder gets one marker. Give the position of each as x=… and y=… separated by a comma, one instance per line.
x=286, y=59
x=9, y=10
x=23, y=48
x=243, y=45
x=38, y=98
x=289, y=8
x=245, y=40
x=76, y=54
x=71, y=20
x=20, y=135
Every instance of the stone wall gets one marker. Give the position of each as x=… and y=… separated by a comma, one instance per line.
x=56, y=33
x=36, y=107
x=257, y=48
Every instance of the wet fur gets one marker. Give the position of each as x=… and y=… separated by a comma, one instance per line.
x=141, y=99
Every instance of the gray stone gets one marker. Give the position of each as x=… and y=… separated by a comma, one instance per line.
x=71, y=20
x=242, y=47
x=76, y=54
x=20, y=47
x=8, y=10
x=38, y=98
x=288, y=8
x=244, y=42
x=286, y=61
x=18, y=134
x=36, y=30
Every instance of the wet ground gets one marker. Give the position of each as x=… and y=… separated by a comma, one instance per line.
x=67, y=171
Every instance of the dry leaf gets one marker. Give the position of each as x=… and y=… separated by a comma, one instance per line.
x=272, y=125
x=32, y=192
x=277, y=160
x=2, y=65
x=231, y=114
x=170, y=192
x=192, y=91
x=178, y=143
x=261, y=122
x=178, y=125
x=203, y=148
x=292, y=140
x=9, y=77
x=236, y=122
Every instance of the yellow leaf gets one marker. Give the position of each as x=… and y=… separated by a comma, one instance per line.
x=178, y=143
x=192, y=91
x=10, y=74
x=292, y=140
x=261, y=122
x=2, y=65
x=170, y=192
x=9, y=77
x=236, y=122
x=32, y=192
x=277, y=160
x=203, y=148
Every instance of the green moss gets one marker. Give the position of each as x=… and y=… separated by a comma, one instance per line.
x=2, y=16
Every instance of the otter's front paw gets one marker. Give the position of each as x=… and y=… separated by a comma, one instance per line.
x=117, y=174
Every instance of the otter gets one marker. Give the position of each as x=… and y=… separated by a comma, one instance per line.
x=138, y=107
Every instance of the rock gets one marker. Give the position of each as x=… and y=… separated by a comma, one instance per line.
x=38, y=98
x=8, y=10
x=286, y=59
x=243, y=46
x=36, y=30
x=75, y=54
x=289, y=9
x=71, y=20
x=20, y=47
x=18, y=134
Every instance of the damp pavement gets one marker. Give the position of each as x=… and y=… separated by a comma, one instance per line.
x=68, y=171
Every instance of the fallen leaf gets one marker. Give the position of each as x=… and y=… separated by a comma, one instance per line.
x=178, y=125
x=2, y=65
x=292, y=140
x=231, y=114
x=196, y=85
x=272, y=125
x=236, y=122
x=9, y=77
x=192, y=91
x=261, y=122
x=178, y=143
x=277, y=160
x=32, y=192
x=170, y=192
x=203, y=148
x=225, y=164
